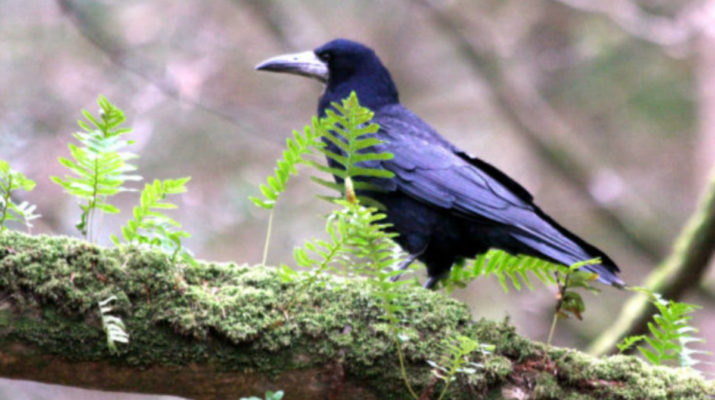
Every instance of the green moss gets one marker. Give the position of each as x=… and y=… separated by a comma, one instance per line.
x=235, y=317
x=628, y=377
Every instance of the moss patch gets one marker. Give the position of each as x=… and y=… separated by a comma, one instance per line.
x=235, y=317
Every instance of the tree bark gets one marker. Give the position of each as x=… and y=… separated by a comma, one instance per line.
x=218, y=331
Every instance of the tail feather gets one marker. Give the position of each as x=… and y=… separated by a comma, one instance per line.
x=556, y=243
x=606, y=270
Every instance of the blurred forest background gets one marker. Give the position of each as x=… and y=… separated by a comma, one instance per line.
x=604, y=110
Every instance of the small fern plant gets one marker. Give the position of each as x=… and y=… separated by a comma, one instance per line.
x=298, y=148
x=568, y=301
x=113, y=326
x=150, y=227
x=358, y=242
x=346, y=137
x=348, y=128
x=456, y=352
x=99, y=167
x=670, y=333
x=359, y=245
x=11, y=180
x=515, y=271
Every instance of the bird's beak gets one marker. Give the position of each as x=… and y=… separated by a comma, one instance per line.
x=305, y=63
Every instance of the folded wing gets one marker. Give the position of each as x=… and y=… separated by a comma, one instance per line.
x=434, y=172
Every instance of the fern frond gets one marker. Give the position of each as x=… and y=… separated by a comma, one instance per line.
x=351, y=140
x=297, y=148
x=670, y=333
x=455, y=359
x=357, y=244
x=11, y=180
x=510, y=270
x=369, y=242
x=113, y=326
x=150, y=226
x=348, y=130
x=98, y=167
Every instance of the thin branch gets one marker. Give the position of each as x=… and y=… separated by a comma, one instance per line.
x=292, y=25
x=141, y=68
x=532, y=117
x=680, y=272
x=663, y=31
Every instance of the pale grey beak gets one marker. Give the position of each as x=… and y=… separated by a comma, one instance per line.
x=305, y=63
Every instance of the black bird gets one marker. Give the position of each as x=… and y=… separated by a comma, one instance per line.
x=443, y=203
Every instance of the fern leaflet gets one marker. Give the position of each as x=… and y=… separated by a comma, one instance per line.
x=153, y=228
x=507, y=268
x=670, y=333
x=455, y=359
x=352, y=136
x=11, y=180
x=113, y=326
x=297, y=148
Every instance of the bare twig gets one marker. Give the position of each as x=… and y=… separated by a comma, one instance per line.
x=291, y=24
x=538, y=123
x=663, y=31
x=96, y=36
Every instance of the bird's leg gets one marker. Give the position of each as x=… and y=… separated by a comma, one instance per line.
x=405, y=264
x=432, y=281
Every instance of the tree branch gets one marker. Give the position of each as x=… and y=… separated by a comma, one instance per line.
x=663, y=31
x=681, y=271
x=218, y=331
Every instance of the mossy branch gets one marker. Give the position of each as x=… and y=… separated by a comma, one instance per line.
x=217, y=331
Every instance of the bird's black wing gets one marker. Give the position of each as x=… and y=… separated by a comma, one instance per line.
x=435, y=172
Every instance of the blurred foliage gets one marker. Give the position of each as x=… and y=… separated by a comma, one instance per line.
x=270, y=395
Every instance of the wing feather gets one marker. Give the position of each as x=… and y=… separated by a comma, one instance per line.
x=433, y=171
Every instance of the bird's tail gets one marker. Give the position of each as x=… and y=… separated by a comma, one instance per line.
x=555, y=243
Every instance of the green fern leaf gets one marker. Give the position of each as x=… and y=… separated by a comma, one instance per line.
x=297, y=148
x=670, y=333
x=99, y=169
x=510, y=270
x=10, y=181
x=150, y=226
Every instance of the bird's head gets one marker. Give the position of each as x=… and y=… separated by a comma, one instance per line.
x=344, y=66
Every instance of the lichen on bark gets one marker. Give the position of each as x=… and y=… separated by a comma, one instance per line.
x=225, y=330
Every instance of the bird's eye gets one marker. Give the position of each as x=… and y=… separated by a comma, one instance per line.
x=325, y=56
